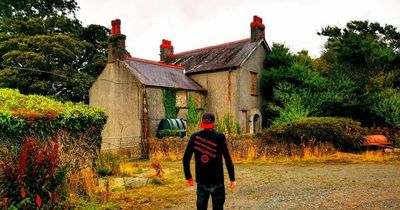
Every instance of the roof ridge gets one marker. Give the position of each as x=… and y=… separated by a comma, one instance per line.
x=159, y=63
x=212, y=46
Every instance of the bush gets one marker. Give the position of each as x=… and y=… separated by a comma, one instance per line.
x=227, y=125
x=193, y=116
x=170, y=132
x=344, y=133
x=34, y=177
x=389, y=109
x=33, y=115
x=76, y=127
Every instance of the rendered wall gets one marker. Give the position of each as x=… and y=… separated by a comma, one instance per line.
x=221, y=89
x=249, y=104
x=120, y=94
x=155, y=109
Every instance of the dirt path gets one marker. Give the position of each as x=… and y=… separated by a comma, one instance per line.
x=311, y=186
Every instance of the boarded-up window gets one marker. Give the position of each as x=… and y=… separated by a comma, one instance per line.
x=199, y=102
x=253, y=83
x=181, y=99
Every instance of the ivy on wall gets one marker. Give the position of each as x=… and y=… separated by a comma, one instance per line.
x=193, y=116
x=169, y=100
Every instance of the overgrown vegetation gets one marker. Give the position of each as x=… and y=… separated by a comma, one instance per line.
x=388, y=108
x=227, y=124
x=193, y=116
x=355, y=77
x=170, y=132
x=34, y=115
x=169, y=101
x=344, y=134
x=76, y=129
x=33, y=177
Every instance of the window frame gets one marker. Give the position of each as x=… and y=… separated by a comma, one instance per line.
x=253, y=83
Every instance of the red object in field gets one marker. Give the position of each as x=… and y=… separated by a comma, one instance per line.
x=376, y=140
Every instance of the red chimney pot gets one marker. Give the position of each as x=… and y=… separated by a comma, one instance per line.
x=257, y=22
x=116, y=26
x=166, y=44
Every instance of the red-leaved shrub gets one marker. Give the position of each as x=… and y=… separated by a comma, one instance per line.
x=33, y=176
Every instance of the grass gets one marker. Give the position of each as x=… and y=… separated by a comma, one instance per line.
x=154, y=192
x=316, y=156
x=165, y=191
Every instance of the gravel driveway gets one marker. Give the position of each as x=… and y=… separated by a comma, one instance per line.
x=311, y=186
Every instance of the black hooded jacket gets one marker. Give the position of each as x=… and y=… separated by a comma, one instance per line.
x=208, y=147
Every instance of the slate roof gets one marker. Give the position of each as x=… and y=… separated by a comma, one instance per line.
x=218, y=57
x=161, y=74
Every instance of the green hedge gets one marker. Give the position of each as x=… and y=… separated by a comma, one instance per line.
x=345, y=134
x=34, y=115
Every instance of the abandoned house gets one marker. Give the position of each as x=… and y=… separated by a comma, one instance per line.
x=224, y=79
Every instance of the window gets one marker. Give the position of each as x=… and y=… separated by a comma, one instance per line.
x=253, y=83
x=199, y=102
x=181, y=99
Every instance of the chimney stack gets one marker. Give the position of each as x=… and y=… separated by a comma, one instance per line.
x=257, y=29
x=116, y=43
x=166, y=50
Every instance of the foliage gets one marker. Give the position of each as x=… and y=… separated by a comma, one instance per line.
x=364, y=48
x=193, y=116
x=169, y=100
x=298, y=91
x=227, y=124
x=389, y=109
x=367, y=54
x=35, y=115
x=109, y=165
x=37, y=8
x=279, y=57
x=352, y=76
x=170, y=132
x=344, y=133
x=33, y=178
x=156, y=165
x=43, y=51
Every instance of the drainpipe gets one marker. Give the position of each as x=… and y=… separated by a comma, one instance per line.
x=144, y=142
x=229, y=100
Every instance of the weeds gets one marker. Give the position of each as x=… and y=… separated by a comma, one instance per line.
x=34, y=177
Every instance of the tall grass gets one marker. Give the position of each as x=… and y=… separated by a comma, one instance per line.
x=251, y=149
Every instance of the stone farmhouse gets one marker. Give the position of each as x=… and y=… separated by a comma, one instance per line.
x=224, y=79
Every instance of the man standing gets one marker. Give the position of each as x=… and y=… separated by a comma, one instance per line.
x=208, y=147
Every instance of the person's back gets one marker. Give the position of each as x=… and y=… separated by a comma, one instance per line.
x=209, y=146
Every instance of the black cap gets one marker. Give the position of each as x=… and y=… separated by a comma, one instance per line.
x=208, y=120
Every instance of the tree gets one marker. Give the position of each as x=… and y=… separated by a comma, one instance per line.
x=362, y=49
x=354, y=77
x=298, y=91
x=45, y=52
x=367, y=53
x=37, y=8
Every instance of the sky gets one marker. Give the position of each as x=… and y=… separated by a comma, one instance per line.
x=192, y=24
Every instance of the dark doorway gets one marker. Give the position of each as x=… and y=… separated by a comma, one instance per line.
x=256, y=124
